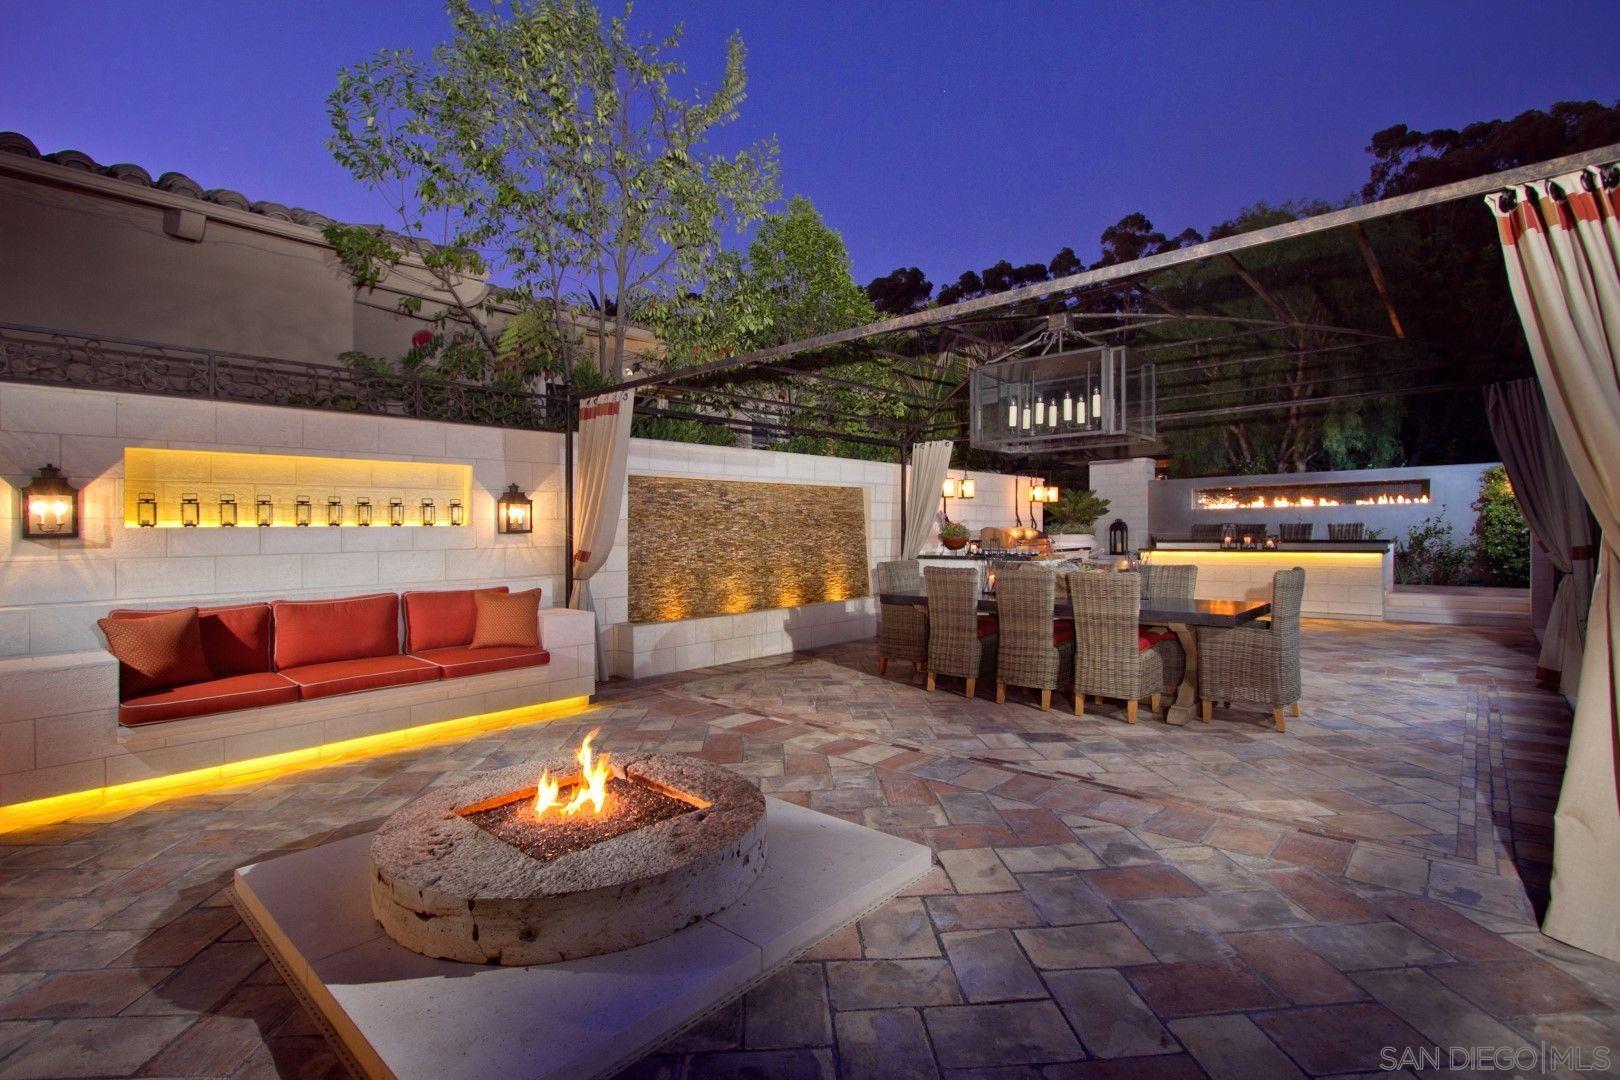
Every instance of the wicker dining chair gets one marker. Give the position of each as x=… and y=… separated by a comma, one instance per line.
x=1347, y=530
x=1295, y=530
x=1108, y=659
x=1034, y=651
x=1259, y=662
x=1207, y=531
x=1172, y=583
x=902, y=628
x=961, y=642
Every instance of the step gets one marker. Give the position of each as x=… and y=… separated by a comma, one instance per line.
x=1458, y=606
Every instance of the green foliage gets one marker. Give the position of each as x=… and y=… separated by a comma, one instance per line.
x=1429, y=556
x=1075, y=511
x=953, y=530
x=1501, y=537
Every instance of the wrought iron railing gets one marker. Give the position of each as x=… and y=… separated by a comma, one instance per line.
x=30, y=354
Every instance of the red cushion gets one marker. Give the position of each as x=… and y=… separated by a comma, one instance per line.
x=1147, y=639
x=1062, y=631
x=324, y=631
x=200, y=699
x=441, y=620
x=365, y=673
x=988, y=625
x=235, y=639
x=464, y=661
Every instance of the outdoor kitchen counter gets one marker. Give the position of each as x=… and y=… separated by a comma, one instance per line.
x=1344, y=579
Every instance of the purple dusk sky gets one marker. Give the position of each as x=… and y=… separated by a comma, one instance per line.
x=942, y=134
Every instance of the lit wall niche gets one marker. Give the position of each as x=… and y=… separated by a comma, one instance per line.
x=169, y=488
x=723, y=547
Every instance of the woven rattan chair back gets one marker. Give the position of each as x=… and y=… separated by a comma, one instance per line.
x=902, y=628
x=1347, y=530
x=899, y=576
x=1025, y=598
x=1287, y=596
x=1169, y=582
x=953, y=620
x=1296, y=530
x=1107, y=608
x=1209, y=532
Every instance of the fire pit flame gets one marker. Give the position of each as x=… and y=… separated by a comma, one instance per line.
x=591, y=787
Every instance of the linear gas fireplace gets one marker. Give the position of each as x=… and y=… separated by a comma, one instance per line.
x=1371, y=493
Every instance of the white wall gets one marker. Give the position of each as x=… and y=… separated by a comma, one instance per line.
x=1125, y=484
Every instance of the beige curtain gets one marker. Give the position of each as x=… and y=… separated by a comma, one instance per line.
x=1552, y=504
x=604, y=450
x=929, y=462
x=1561, y=245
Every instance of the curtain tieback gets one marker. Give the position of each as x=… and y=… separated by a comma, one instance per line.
x=582, y=556
x=1584, y=551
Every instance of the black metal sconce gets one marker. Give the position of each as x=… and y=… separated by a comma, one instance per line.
x=227, y=511
x=266, y=512
x=396, y=511
x=146, y=510
x=190, y=510
x=514, y=512
x=303, y=511
x=457, y=514
x=51, y=507
x=362, y=512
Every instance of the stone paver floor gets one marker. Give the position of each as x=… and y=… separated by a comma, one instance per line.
x=1109, y=901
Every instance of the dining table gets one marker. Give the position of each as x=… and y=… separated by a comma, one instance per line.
x=1183, y=617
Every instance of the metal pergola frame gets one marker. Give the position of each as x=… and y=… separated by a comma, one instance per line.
x=946, y=343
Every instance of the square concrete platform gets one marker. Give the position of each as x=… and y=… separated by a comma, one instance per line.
x=394, y=1013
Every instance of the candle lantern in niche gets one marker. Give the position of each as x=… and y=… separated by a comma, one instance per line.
x=457, y=515
x=514, y=512
x=396, y=511
x=303, y=511
x=1119, y=538
x=146, y=510
x=430, y=513
x=266, y=511
x=190, y=510
x=227, y=511
x=362, y=511
x=334, y=510
x=51, y=506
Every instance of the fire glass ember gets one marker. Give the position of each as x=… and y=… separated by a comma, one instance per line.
x=562, y=815
x=566, y=858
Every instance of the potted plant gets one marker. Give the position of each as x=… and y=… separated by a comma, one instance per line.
x=1069, y=520
x=954, y=535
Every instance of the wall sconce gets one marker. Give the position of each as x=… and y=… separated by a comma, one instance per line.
x=430, y=513
x=52, y=507
x=266, y=512
x=396, y=511
x=1051, y=494
x=514, y=511
x=334, y=510
x=967, y=487
x=457, y=515
x=227, y=511
x=190, y=511
x=146, y=510
x=303, y=511
x=951, y=488
x=362, y=512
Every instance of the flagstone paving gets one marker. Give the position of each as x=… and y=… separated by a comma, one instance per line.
x=1143, y=901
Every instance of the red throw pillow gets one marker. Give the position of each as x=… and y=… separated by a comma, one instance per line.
x=507, y=620
x=158, y=653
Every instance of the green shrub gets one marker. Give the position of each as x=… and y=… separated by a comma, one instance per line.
x=1075, y=511
x=1501, y=537
x=1429, y=555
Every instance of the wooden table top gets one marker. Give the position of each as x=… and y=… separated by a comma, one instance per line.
x=1154, y=609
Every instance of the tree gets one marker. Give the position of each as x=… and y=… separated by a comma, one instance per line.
x=901, y=291
x=553, y=138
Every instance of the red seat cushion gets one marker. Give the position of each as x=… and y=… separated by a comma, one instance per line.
x=466, y=661
x=1147, y=639
x=1062, y=631
x=989, y=625
x=200, y=699
x=235, y=639
x=311, y=632
x=365, y=673
x=441, y=619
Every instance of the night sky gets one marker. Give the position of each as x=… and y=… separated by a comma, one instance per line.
x=946, y=135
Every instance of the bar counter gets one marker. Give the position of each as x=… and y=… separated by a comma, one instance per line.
x=1344, y=579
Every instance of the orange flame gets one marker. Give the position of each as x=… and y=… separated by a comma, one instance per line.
x=591, y=787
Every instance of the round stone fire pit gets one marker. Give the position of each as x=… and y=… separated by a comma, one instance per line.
x=469, y=872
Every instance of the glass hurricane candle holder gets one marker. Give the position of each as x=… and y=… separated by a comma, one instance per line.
x=190, y=511
x=266, y=512
x=457, y=513
x=396, y=511
x=227, y=511
x=362, y=512
x=146, y=510
x=303, y=511
x=429, y=512
x=334, y=511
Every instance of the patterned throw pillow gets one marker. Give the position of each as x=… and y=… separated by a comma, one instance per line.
x=509, y=620
x=158, y=652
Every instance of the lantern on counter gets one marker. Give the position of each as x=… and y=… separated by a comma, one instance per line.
x=1119, y=537
x=51, y=507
